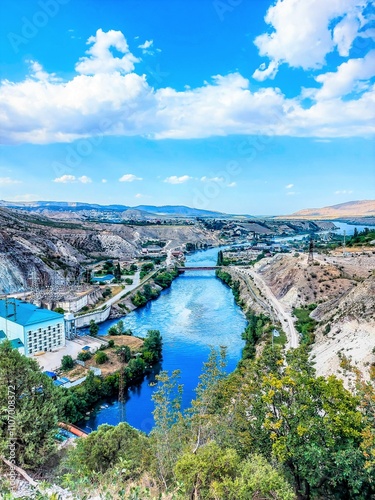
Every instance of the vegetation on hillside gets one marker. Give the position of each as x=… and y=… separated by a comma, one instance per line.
x=271, y=430
x=361, y=238
x=305, y=325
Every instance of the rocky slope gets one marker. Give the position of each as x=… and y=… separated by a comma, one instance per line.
x=35, y=245
x=344, y=289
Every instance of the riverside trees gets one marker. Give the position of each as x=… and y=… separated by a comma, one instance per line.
x=271, y=429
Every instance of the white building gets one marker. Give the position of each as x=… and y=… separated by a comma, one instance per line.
x=29, y=328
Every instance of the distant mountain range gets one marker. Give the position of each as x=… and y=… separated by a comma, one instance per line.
x=362, y=208
x=140, y=210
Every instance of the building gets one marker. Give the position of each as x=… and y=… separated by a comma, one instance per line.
x=29, y=328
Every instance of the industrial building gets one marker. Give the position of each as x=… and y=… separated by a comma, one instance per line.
x=29, y=328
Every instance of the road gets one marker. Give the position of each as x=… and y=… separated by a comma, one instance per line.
x=282, y=314
x=127, y=289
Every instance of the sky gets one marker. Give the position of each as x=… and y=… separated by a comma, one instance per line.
x=242, y=106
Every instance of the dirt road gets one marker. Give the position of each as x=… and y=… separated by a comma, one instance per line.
x=282, y=314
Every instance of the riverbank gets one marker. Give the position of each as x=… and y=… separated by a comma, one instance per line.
x=133, y=365
x=145, y=292
x=261, y=327
x=190, y=322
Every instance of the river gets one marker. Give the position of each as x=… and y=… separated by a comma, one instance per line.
x=196, y=312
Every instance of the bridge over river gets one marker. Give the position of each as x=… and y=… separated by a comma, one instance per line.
x=201, y=268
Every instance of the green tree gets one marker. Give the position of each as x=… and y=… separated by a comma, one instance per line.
x=67, y=362
x=113, y=330
x=137, y=368
x=220, y=258
x=201, y=470
x=124, y=353
x=167, y=436
x=152, y=346
x=93, y=328
x=108, y=446
x=84, y=356
x=311, y=425
x=34, y=404
x=59, y=310
x=101, y=357
x=255, y=478
x=117, y=271
x=202, y=423
x=120, y=327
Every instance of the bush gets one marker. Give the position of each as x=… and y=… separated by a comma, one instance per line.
x=101, y=357
x=84, y=356
x=67, y=362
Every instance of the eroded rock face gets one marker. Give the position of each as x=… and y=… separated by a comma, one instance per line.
x=344, y=289
x=35, y=245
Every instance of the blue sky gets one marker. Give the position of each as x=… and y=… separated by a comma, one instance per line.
x=246, y=107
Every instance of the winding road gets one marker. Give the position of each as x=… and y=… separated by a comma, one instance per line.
x=282, y=314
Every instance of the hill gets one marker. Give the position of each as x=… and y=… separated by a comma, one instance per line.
x=361, y=208
x=74, y=207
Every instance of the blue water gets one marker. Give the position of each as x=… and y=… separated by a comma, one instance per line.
x=196, y=312
x=107, y=277
x=349, y=228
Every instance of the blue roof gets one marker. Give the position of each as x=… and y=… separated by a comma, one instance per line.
x=26, y=313
x=50, y=374
x=16, y=343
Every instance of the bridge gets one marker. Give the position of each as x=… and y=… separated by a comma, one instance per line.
x=202, y=268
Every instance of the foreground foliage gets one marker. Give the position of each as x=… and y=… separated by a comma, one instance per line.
x=270, y=430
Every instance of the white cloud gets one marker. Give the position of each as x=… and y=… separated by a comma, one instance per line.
x=44, y=110
x=289, y=186
x=232, y=184
x=343, y=191
x=104, y=181
x=350, y=76
x=72, y=179
x=130, y=178
x=38, y=73
x=100, y=58
x=7, y=181
x=146, y=45
x=302, y=35
x=262, y=73
x=174, y=179
x=84, y=179
x=138, y=195
x=65, y=179
x=212, y=179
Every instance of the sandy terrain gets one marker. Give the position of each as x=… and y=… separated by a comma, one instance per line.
x=113, y=364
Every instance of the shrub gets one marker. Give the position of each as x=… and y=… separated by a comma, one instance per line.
x=84, y=356
x=67, y=362
x=101, y=357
